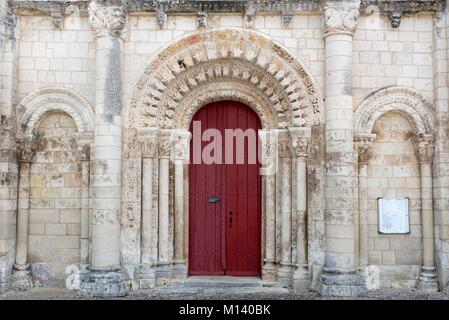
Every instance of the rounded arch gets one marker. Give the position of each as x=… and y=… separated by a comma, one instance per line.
x=245, y=57
x=48, y=99
x=401, y=99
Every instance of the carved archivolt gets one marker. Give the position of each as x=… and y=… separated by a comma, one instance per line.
x=243, y=57
x=43, y=100
x=405, y=100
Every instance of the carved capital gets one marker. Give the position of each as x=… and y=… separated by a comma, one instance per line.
x=201, y=20
x=364, y=147
x=300, y=140
x=181, y=144
x=161, y=16
x=26, y=148
x=107, y=18
x=284, y=145
x=395, y=18
x=340, y=20
x=149, y=143
x=165, y=144
x=84, y=142
x=425, y=148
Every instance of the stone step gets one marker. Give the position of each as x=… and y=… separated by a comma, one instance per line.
x=221, y=282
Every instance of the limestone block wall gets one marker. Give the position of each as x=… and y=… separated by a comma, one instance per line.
x=393, y=171
x=55, y=181
x=50, y=56
x=384, y=56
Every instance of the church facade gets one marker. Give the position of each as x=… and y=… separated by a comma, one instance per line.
x=349, y=100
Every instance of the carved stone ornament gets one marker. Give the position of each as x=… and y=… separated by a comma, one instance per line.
x=8, y=22
x=338, y=21
x=84, y=141
x=250, y=15
x=149, y=143
x=284, y=145
x=165, y=144
x=201, y=20
x=364, y=146
x=26, y=148
x=161, y=16
x=395, y=19
x=287, y=17
x=425, y=148
x=107, y=19
x=181, y=144
x=300, y=139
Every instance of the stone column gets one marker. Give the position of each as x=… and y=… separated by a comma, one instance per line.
x=165, y=258
x=268, y=142
x=8, y=163
x=300, y=138
x=107, y=19
x=26, y=148
x=148, y=140
x=84, y=142
x=425, y=147
x=364, y=148
x=180, y=155
x=285, y=154
x=340, y=277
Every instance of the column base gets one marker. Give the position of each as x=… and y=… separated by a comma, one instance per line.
x=428, y=280
x=103, y=284
x=164, y=275
x=285, y=276
x=269, y=274
x=301, y=279
x=147, y=277
x=179, y=270
x=21, y=279
x=336, y=283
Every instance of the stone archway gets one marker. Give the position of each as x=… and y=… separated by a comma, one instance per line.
x=421, y=114
x=62, y=102
x=208, y=66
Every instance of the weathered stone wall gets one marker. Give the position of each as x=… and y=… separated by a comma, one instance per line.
x=393, y=171
x=55, y=181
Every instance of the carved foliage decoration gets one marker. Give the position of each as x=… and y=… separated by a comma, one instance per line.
x=338, y=20
x=26, y=148
x=106, y=19
x=236, y=55
x=425, y=148
x=364, y=147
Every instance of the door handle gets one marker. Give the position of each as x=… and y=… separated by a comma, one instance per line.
x=230, y=218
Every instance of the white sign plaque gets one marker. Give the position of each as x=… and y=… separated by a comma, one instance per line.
x=393, y=215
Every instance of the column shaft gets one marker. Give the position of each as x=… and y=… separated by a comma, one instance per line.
x=84, y=234
x=23, y=217
x=164, y=234
x=179, y=212
x=148, y=248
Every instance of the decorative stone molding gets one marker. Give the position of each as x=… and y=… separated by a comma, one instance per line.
x=8, y=25
x=84, y=141
x=47, y=99
x=395, y=19
x=231, y=54
x=300, y=140
x=107, y=18
x=287, y=17
x=340, y=21
x=149, y=143
x=250, y=15
x=56, y=16
x=26, y=148
x=425, y=148
x=364, y=146
x=401, y=99
x=201, y=20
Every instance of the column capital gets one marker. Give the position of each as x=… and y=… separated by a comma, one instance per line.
x=364, y=146
x=284, y=144
x=340, y=17
x=107, y=17
x=300, y=140
x=425, y=148
x=84, y=142
x=26, y=148
x=165, y=143
x=181, y=144
x=148, y=140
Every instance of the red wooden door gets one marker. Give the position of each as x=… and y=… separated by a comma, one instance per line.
x=224, y=197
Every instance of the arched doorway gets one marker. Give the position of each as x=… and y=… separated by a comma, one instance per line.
x=224, y=191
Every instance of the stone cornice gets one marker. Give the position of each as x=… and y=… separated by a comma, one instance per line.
x=221, y=6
